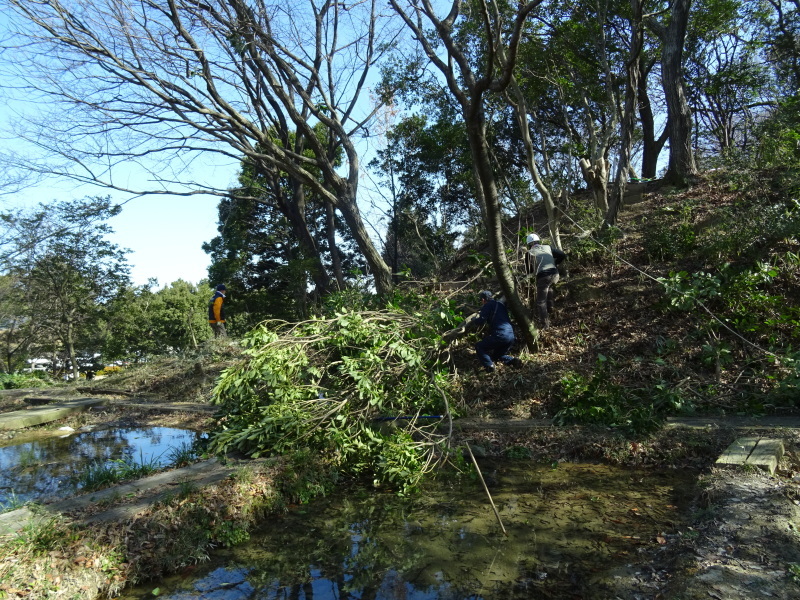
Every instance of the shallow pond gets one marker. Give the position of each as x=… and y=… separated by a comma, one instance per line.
x=571, y=529
x=50, y=466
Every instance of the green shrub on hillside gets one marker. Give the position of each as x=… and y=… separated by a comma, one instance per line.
x=599, y=400
x=749, y=229
x=672, y=233
x=752, y=300
x=594, y=248
x=334, y=385
x=15, y=381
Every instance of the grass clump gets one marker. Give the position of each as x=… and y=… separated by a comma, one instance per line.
x=56, y=556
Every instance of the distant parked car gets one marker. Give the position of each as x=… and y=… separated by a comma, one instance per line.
x=38, y=364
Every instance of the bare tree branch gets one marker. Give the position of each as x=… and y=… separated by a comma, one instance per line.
x=122, y=85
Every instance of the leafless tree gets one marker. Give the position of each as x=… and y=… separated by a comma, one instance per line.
x=160, y=84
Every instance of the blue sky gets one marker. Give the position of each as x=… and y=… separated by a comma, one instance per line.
x=165, y=234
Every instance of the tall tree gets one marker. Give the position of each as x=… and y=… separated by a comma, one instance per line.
x=426, y=167
x=17, y=332
x=783, y=39
x=67, y=267
x=652, y=144
x=141, y=322
x=679, y=116
x=470, y=83
x=633, y=73
x=160, y=84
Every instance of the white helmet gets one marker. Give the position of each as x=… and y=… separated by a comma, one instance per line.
x=532, y=237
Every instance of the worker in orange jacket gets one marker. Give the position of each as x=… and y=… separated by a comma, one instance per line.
x=216, y=311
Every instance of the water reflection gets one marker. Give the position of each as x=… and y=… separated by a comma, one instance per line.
x=570, y=531
x=45, y=469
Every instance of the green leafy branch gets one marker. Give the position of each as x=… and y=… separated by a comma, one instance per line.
x=338, y=386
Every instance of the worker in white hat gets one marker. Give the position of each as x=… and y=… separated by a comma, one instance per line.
x=543, y=260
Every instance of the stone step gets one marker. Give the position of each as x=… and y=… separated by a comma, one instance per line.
x=36, y=415
x=759, y=452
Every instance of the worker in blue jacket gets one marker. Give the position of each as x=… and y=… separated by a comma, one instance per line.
x=216, y=311
x=496, y=345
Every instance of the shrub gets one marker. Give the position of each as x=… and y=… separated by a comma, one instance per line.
x=673, y=233
x=15, y=381
x=597, y=400
x=109, y=370
x=746, y=298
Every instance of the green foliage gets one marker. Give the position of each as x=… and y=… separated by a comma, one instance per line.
x=742, y=229
x=13, y=502
x=60, y=256
x=229, y=533
x=305, y=477
x=750, y=299
x=598, y=400
x=781, y=140
x=15, y=381
x=44, y=535
x=671, y=234
x=518, y=453
x=326, y=385
x=684, y=290
x=184, y=454
x=143, y=323
x=594, y=248
x=789, y=383
x=101, y=474
x=716, y=354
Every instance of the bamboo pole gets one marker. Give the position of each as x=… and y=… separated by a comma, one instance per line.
x=486, y=489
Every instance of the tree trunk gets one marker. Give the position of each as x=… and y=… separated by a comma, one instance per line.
x=73, y=359
x=295, y=212
x=486, y=189
x=596, y=177
x=381, y=273
x=651, y=146
x=469, y=91
x=336, y=260
x=681, y=156
x=629, y=116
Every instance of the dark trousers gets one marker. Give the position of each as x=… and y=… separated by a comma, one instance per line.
x=545, y=296
x=492, y=349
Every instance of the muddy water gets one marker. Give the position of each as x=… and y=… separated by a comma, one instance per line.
x=47, y=465
x=571, y=530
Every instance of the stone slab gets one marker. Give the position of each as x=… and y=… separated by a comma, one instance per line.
x=766, y=455
x=735, y=422
x=759, y=452
x=37, y=415
x=738, y=452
